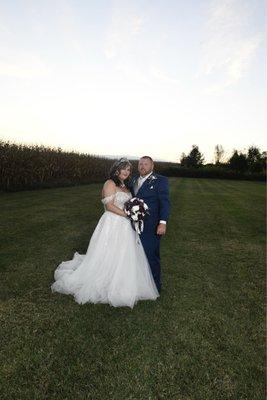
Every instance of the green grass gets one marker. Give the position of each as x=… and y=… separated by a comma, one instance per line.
x=204, y=338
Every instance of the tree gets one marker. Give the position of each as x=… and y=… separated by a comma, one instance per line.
x=195, y=158
x=254, y=159
x=183, y=160
x=238, y=161
x=219, y=153
x=263, y=160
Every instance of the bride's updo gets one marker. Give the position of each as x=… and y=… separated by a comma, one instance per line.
x=116, y=168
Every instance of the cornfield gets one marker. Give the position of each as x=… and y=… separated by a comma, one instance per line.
x=24, y=167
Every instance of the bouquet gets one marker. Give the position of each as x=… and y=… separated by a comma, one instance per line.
x=136, y=209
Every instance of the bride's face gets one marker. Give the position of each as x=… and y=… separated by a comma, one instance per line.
x=124, y=173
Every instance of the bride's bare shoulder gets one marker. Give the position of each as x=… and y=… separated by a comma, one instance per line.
x=109, y=188
x=109, y=184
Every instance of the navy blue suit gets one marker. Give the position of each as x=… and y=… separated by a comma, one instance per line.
x=155, y=193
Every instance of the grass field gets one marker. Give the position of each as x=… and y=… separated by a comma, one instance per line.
x=204, y=338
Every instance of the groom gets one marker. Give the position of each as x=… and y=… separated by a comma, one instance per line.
x=154, y=190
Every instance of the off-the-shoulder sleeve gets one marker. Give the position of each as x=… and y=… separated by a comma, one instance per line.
x=107, y=199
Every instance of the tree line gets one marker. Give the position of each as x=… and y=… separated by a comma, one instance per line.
x=252, y=161
x=24, y=167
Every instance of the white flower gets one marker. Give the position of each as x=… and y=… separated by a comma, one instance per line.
x=135, y=209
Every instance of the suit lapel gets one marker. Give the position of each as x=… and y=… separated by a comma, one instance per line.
x=144, y=186
x=147, y=182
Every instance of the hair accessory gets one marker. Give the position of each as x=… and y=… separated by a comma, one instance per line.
x=121, y=160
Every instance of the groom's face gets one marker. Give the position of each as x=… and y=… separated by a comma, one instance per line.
x=145, y=166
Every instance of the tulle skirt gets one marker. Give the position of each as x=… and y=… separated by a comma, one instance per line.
x=114, y=270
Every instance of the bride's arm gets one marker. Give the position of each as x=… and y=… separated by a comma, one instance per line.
x=109, y=189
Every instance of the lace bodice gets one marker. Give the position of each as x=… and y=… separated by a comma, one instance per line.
x=119, y=198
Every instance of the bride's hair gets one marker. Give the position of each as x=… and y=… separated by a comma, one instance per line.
x=116, y=168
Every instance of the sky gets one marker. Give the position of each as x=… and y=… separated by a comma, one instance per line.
x=143, y=77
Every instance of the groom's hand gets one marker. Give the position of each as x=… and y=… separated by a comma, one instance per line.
x=161, y=229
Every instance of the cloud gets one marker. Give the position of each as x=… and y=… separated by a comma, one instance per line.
x=132, y=73
x=125, y=26
x=130, y=48
x=26, y=66
x=3, y=29
x=69, y=28
x=162, y=76
x=243, y=57
x=125, y=46
x=230, y=45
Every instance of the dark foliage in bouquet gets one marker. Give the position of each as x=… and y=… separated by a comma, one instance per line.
x=136, y=209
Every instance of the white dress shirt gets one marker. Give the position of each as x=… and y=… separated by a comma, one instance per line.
x=142, y=179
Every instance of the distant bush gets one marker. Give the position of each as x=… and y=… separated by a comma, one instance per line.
x=213, y=171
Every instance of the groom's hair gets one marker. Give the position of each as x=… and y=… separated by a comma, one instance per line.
x=148, y=158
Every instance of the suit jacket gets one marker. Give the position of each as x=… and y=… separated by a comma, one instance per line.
x=155, y=193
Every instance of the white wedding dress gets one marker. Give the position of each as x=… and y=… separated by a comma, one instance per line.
x=114, y=269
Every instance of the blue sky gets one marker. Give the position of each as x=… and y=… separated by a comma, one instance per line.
x=134, y=77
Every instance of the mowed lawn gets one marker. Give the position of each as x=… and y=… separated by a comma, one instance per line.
x=204, y=338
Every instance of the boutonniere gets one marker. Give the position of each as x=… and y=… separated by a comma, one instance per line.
x=152, y=178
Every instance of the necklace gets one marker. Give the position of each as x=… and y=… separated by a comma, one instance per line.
x=122, y=185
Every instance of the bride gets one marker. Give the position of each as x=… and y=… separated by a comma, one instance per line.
x=114, y=269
